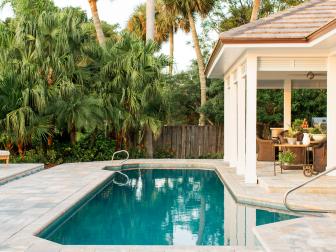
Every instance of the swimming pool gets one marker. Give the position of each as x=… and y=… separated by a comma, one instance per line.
x=160, y=207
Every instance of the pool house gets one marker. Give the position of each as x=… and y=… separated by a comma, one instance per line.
x=293, y=49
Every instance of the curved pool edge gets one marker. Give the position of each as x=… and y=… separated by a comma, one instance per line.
x=226, y=178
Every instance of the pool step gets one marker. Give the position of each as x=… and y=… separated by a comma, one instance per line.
x=326, y=185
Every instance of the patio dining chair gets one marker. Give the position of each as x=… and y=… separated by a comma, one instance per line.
x=320, y=156
x=265, y=150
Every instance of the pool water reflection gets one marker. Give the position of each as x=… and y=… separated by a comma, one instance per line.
x=162, y=207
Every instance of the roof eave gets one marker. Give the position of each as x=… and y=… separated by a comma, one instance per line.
x=258, y=40
x=272, y=40
x=214, y=54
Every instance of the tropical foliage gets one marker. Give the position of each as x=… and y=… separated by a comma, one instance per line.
x=58, y=84
x=167, y=23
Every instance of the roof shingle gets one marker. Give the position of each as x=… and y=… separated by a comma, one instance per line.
x=294, y=23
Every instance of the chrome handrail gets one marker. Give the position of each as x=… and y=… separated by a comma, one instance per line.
x=303, y=184
x=121, y=151
x=123, y=174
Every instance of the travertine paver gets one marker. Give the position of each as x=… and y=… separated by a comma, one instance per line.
x=29, y=204
x=259, y=196
x=290, y=178
x=305, y=234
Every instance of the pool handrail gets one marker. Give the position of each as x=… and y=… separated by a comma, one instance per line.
x=303, y=184
x=121, y=151
x=121, y=173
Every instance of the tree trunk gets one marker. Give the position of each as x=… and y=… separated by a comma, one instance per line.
x=73, y=135
x=149, y=142
x=50, y=141
x=255, y=10
x=96, y=22
x=21, y=150
x=150, y=19
x=150, y=27
x=171, y=50
x=201, y=67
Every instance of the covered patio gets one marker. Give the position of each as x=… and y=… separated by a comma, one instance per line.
x=294, y=49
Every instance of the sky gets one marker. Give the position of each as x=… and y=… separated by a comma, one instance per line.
x=118, y=11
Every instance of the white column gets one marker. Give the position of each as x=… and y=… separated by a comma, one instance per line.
x=226, y=120
x=241, y=221
x=331, y=112
x=229, y=129
x=241, y=123
x=251, y=119
x=287, y=104
x=234, y=122
x=251, y=222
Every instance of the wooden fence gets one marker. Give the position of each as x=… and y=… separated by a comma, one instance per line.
x=190, y=141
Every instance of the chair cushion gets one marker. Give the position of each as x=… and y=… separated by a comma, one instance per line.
x=4, y=153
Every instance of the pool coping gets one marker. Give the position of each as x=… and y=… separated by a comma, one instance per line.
x=28, y=233
x=33, y=170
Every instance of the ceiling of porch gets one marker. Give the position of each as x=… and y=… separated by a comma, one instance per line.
x=300, y=79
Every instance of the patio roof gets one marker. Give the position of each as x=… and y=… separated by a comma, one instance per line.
x=300, y=24
x=297, y=24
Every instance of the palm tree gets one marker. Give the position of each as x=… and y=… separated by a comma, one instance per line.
x=131, y=72
x=137, y=24
x=255, y=10
x=167, y=24
x=188, y=9
x=96, y=21
x=171, y=22
x=150, y=19
x=75, y=111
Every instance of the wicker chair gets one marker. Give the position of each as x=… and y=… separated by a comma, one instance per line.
x=320, y=156
x=265, y=150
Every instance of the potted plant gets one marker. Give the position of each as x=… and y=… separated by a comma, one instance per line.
x=297, y=125
x=287, y=158
x=317, y=134
x=291, y=136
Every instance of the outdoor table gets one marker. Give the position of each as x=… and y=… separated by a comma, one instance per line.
x=308, y=168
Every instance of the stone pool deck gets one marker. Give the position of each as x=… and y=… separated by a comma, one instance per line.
x=29, y=204
x=10, y=172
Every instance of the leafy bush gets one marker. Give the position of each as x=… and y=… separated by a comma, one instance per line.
x=218, y=155
x=38, y=156
x=91, y=148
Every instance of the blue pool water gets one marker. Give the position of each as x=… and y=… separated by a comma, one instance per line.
x=159, y=207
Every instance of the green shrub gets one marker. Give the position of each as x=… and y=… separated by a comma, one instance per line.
x=87, y=149
x=212, y=156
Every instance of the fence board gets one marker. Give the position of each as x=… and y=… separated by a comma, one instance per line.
x=190, y=141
